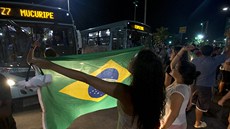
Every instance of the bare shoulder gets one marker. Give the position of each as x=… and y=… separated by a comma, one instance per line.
x=123, y=92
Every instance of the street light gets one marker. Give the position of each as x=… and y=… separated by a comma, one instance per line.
x=225, y=8
x=204, y=27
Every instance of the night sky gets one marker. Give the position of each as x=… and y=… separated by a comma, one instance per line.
x=166, y=13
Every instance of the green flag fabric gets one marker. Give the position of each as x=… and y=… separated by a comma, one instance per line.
x=65, y=99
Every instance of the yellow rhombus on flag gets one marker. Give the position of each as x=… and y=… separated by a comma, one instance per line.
x=110, y=71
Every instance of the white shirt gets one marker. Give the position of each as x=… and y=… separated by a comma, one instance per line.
x=185, y=91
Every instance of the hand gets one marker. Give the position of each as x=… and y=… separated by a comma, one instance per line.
x=36, y=44
x=189, y=47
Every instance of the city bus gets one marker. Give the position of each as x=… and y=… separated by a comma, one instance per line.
x=115, y=36
x=20, y=25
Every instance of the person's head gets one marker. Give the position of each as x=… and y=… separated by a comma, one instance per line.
x=206, y=50
x=175, y=50
x=185, y=71
x=147, y=87
x=50, y=52
x=197, y=52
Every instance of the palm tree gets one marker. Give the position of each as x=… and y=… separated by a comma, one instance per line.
x=160, y=36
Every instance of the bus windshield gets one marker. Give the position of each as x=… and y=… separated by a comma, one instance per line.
x=16, y=39
x=20, y=25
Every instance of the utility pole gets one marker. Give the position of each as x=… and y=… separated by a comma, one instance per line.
x=68, y=5
x=206, y=28
x=145, y=11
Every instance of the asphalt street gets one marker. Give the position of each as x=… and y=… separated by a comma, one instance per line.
x=31, y=118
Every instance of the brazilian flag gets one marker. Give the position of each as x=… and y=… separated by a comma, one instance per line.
x=65, y=99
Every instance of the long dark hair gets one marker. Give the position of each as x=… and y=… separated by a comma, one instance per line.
x=148, y=91
x=188, y=72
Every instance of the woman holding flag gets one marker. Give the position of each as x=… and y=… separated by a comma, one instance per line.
x=134, y=108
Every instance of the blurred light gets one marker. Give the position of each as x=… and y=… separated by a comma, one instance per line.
x=170, y=42
x=1, y=34
x=10, y=82
x=214, y=41
x=200, y=36
x=191, y=58
x=107, y=32
x=67, y=14
x=99, y=33
x=225, y=9
x=44, y=39
x=51, y=33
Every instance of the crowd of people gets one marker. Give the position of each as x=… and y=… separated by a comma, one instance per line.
x=174, y=85
x=184, y=83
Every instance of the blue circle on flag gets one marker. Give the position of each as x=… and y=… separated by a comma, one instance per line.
x=109, y=74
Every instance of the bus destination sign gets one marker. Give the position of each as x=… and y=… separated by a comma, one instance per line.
x=26, y=13
x=138, y=27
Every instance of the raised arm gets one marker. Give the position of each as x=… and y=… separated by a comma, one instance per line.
x=31, y=51
x=179, y=55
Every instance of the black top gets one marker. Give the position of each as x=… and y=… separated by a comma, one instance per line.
x=225, y=76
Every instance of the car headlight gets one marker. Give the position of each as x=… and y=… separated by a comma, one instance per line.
x=10, y=82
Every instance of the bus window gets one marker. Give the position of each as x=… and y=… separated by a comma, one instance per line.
x=15, y=42
x=118, y=39
x=93, y=39
x=104, y=37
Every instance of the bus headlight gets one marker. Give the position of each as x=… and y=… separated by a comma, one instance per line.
x=10, y=82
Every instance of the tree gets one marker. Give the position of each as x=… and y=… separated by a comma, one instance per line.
x=160, y=36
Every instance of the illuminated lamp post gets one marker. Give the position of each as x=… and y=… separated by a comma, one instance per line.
x=135, y=2
x=68, y=7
